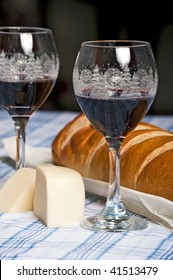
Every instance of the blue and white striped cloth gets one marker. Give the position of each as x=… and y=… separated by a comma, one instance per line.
x=23, y=236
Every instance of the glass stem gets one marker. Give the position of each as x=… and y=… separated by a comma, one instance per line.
x=20, y=127
x=114, y=208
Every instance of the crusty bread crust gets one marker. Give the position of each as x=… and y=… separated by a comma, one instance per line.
x=146, y=155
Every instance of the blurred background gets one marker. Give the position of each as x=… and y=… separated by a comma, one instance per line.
x=74, y=21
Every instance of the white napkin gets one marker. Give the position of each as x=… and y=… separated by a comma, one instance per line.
x=34, y=155
x=156, y=208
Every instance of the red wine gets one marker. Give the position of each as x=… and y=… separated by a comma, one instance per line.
x=22, y=98
x=115, y=116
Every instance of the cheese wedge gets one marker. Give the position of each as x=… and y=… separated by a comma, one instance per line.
x=17, y=194
x=59, y=196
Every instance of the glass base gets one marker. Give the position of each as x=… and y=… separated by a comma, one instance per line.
x=133, y=223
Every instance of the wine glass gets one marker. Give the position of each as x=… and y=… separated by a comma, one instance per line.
x=115, y=83
x=29, y=66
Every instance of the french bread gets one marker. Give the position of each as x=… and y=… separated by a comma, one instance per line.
x=146, y=156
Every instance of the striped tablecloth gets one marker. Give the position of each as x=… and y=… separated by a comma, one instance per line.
x=23, y=236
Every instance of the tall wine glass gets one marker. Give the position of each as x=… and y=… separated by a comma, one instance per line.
x=29, y=66
x=115, y=83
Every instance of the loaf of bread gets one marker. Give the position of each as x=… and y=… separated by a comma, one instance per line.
x=146, y=156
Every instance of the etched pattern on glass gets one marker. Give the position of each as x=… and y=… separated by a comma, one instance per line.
x=19, y=66
x=114, y=81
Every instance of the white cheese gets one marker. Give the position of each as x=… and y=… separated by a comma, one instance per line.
x=17, y=194
x=59, y=196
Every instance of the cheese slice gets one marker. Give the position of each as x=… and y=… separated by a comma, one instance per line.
x=17, y=194
x=59, y=196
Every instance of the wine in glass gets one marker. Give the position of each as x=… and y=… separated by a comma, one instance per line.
x=29, y=66
x=115, y=83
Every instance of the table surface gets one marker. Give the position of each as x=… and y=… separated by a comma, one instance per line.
x=23, y=236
